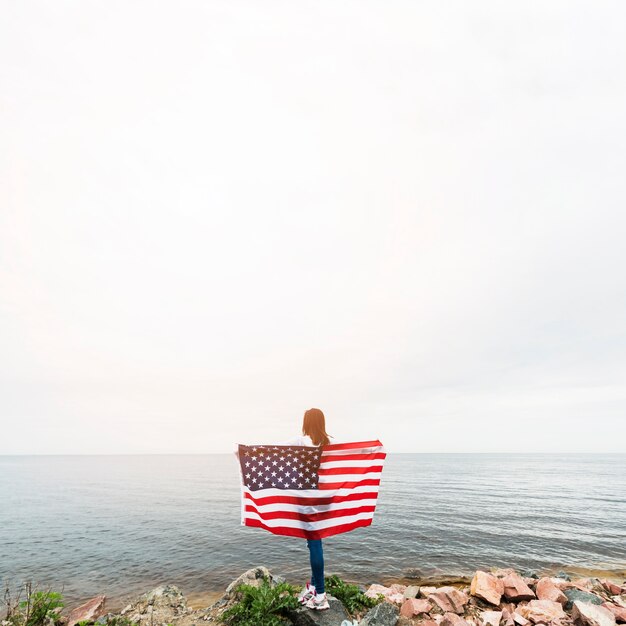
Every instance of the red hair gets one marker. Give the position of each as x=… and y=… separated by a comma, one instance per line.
x=314, y=425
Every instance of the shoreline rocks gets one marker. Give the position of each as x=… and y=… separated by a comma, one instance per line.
x=500, y=597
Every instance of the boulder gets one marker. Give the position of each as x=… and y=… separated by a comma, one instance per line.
x=611, y=587
x=588, y=614
x=519, y=620
x=253, y=577
x=574, y=594
x=563, y=575
x=490, y=618
x=411, y=607
x=541, y=611
x=162, y=605
x=516, y=589
x=487, y=587
x=547, y=590
x=329, y=617
x=449, y=599
x=389, y=593
x=452, y=619
x=618, y=611
x=425, y=591
x=383, y=614
x=412, y=591
x=89, y=611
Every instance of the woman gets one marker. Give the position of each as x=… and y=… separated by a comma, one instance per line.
x=314, y=433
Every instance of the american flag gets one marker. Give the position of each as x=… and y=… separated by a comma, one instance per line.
x=310, y=492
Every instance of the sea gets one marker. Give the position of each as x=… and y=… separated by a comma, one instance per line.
x=122, y=525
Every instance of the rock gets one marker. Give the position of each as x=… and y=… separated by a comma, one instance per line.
x=425, y=591
x=329, y=617
x=588, y=614
x=519, y=620
x=583, y=596
x=383, y=614
x=162, y=605
x=516, y=589
x=89, y=611
x=253, y=577
x=411, y=607
x=413, y=573
x=528, y=573
x=611, y=587
x=586, y=584
x=618, y=611
x=488, y=587
x=452, y=619
x=619, y=600
x=490, y=618
x=547, y=590
x=562, y=575
x=449, y=599
x=412, y=591
x=389, y=593
x=541, y=611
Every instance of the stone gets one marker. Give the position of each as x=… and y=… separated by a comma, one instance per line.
x=388, y=593
x=487, y=587
x=583, y=596
x=547, y=590
x=490, y=618
x=163, y=605
x=611, y=587
x=425, y=591
x=412, y=591
x=618, y=611
x=588, y=614
x=529, y=573
x=562, y=575
x=329, y=617
x=411, y=607
x=452, y=619
x=516, y=589
x=89, y=611
x=449, y=599
x=383, y=614
x=541, y=611
x=253, y=577
x=519, y=620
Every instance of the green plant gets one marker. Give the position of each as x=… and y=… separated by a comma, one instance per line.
x=40, y=608
x=350, y=595
x=265, y=605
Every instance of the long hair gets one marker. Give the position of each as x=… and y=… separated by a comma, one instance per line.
x=314, y=425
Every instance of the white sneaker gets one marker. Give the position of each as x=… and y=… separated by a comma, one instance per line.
x=306, y=594
x=319, y=602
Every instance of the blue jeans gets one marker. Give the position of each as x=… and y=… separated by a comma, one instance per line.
x=316, y=555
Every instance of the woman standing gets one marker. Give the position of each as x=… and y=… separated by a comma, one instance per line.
x=314, y=433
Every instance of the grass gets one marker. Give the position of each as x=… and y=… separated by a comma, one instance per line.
x=38, y=608
x=350, y=595
x=265, y=605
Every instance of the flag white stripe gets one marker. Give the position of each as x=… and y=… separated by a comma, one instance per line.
x=370, y=450
x=348, y=478
x=310, y=510
x=349, y=464
x=311, y=493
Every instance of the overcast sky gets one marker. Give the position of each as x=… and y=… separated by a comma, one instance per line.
x=215, y=215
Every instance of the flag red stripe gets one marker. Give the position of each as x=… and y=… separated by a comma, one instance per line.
x=352, y=457
x=350, y=470
x=261, y=501
x=309, y=517
x=309, y=534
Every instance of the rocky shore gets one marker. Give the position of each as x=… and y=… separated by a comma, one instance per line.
x=500, y=597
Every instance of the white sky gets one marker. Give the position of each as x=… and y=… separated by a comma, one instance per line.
x=214, y=215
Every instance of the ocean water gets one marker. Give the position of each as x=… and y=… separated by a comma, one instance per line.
x=120, y=525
